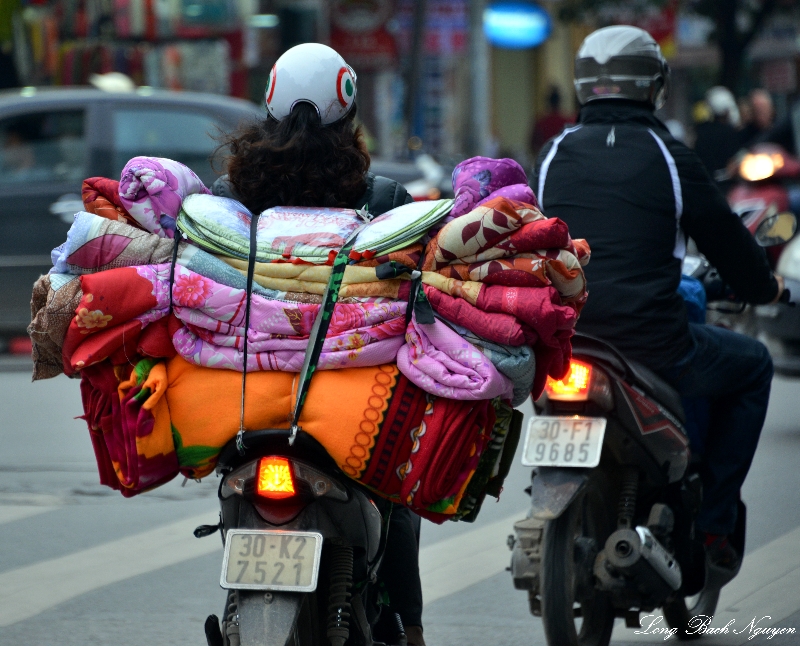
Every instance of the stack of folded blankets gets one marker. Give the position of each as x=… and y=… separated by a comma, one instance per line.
x=450, y=313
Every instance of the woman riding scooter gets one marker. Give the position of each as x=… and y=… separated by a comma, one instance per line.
x=308, y=152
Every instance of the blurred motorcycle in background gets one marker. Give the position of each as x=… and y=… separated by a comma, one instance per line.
x=769, y=185
x=767, y=199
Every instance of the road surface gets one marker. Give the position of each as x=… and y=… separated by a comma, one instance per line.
x=80, y=565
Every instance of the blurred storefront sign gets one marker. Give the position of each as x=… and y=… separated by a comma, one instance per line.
x=693, y=30
x=440, y=119
x=776, y=55
x=371, y=51
x=692, y=47
x=447, y=28
x=779, y=39
x=360, y=16
x=659, y=19
x=779, y=76
x=662, y=25
x=413, y=61
x=178, y=44
x=359, y=34
x=440, y=113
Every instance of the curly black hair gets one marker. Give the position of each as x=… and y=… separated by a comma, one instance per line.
x=297, y=161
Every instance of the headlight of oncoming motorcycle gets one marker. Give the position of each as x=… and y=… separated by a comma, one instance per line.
x=755, y=167
x=583, y=382
x=275, y=477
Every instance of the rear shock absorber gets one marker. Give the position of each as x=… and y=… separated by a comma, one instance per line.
x=230, y=627
x=627, y=497
x=400, y=631
x=341, y=580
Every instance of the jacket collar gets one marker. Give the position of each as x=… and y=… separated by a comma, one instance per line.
x=619, y=111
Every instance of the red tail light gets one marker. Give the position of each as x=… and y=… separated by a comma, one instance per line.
x=574, y=387
x=274, y=479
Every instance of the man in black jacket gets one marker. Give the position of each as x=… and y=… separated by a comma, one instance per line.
x=620, y=180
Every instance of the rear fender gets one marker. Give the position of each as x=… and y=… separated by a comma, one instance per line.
x=268, y=616
x=553, y=489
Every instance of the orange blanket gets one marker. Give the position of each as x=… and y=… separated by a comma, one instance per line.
x=380, y=429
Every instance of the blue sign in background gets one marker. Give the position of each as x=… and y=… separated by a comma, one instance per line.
x=516, y=25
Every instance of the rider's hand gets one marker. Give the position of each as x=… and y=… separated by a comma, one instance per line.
x=781, y=287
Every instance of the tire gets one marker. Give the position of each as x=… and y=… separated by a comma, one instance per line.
x=680, y=611
x=307, y=630
x=569, y=546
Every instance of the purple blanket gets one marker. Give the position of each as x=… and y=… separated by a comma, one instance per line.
x=480, y=179
x=442, y=363
x=152, y=189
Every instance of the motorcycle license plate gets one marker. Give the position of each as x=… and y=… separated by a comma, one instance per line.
x=271, y=560
x=564, y=442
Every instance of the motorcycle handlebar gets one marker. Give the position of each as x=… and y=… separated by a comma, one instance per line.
x=717, y=290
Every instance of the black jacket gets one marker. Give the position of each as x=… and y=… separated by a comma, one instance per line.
x=382, y=194
x=716, y=143
x=620, y=180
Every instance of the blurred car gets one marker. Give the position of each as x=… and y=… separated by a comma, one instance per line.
x=52, y=139
x=424, y=178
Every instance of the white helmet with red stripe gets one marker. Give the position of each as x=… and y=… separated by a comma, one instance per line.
x=315, y=74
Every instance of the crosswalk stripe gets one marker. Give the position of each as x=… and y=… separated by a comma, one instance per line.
x=12, y=513
x=454, y=564
x=28, y=591
x=447, y=566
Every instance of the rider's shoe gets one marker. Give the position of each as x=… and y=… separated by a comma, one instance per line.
x=213, y=632
x=721, y=553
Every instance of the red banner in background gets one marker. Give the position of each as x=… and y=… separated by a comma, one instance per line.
x=373, y=50
x=661, y=25
x=359, y=33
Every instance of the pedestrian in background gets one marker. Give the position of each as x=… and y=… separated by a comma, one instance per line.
x=718, y=139
x=763, y=117
x=550, y=124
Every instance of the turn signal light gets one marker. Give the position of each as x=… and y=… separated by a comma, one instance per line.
x=274, y=479
x=574, y=387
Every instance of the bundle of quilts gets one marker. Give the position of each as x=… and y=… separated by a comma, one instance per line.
x=448, y=314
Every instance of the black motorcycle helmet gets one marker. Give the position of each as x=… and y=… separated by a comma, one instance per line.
x=621, y=62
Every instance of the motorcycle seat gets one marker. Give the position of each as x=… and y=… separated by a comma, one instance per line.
x=638, y=374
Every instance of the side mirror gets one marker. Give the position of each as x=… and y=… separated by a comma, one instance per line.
x=776, y=229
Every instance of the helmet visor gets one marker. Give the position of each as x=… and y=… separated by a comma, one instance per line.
x=618, y=68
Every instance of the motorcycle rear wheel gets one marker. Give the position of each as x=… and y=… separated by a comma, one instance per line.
x=569, y=546
x=308, y=630
x=680, y=611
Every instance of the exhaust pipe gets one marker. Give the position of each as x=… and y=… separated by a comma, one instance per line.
x=636, y=553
